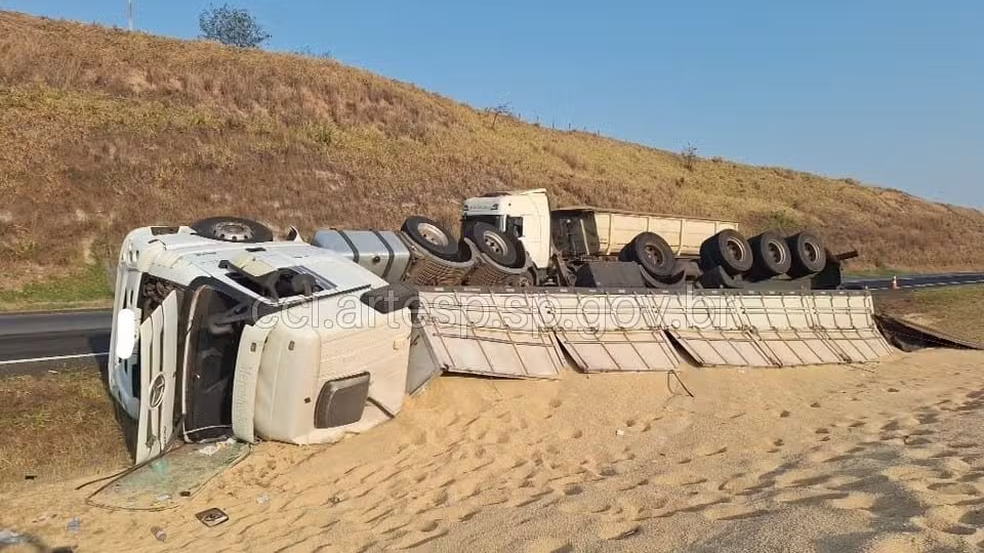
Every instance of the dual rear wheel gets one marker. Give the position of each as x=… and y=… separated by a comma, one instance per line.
x=764, y=255
x=652, y=252
x=501, y=248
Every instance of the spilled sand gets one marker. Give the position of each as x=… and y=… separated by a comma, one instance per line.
x=885, y=458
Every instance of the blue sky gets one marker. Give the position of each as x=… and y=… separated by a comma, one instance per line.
x=888, y=92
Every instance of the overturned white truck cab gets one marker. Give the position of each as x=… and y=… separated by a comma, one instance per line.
x=219, y=331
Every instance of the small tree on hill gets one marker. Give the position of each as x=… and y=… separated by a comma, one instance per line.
x=232, y=26
x=505, y=110
x=689, y=157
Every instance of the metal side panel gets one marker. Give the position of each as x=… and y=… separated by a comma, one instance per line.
x=842, y=311
x=619, y=350
x=799, y=347
x=603, y=332
x=859, y=345
x=488, y=334
x=777, y=329
x=421, y=365
x=764, y=310
x=717, y=347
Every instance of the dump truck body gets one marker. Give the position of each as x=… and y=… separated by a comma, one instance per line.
x=596, y=231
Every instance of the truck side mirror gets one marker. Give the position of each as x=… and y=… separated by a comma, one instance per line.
x=126, y=333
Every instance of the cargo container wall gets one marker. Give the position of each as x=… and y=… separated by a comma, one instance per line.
x=604, y=232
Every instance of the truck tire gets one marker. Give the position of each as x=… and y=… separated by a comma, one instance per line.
x=729, y=250
x=652, y=252
x=770, y=254
x=808, y=254
x=526, y=279
x=431, y=236
x=233, y=229
x=493, y=243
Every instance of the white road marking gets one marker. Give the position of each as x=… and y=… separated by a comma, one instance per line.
x=54, y=358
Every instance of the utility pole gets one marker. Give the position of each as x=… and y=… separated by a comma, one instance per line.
x=129, y=13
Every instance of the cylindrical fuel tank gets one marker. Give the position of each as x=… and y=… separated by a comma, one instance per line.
x=382, y=252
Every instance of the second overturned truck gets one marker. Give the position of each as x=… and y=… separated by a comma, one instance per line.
x=515, y=239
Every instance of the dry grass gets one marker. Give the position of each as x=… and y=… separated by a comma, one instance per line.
x=57, y=426
x=88, y=288
x=954, y=310
x=116, y=130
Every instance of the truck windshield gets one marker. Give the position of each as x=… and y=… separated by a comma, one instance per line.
x=469, y=220
x=210, y=364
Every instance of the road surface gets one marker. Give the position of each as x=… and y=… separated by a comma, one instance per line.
x=914, y=281
x=35, y=338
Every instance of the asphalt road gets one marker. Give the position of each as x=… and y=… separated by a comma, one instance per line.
x=915, y=281
x=34, y=337
x=38, y=338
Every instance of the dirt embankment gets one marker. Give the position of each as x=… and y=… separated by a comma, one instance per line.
x=116, y=130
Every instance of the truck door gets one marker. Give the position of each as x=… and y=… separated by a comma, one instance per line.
x=158, y=375
x=530, y=221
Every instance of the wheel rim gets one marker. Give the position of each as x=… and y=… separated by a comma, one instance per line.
x=432, y=234
x=737, y=249
x=495, y=243
x=654, y=255
x=776, y=252
x=812, y=252
x=231, y=230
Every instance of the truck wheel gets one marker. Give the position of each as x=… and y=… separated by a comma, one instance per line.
x=431, y=236
x=232, y=229
x=808, y=254
x=493, y=243
x=770, y=254
x=729, y=250
x=652, y=252
x=526, y=279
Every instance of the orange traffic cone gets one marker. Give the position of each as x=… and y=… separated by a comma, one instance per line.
x=895, y=283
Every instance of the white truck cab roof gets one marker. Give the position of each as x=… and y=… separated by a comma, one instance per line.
x=180, y=255
x=502, y=202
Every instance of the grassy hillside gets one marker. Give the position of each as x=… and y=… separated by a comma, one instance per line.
x=103, y=130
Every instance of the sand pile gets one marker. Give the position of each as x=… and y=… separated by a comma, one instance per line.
x=886, y=458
